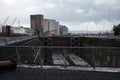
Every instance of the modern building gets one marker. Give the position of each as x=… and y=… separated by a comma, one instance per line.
x=37, y=24
x=63, y=30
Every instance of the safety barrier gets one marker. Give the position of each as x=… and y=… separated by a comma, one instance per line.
x=62, y=56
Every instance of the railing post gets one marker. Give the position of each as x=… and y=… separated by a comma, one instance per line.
x=18, y=56
x=41, y=62
x=93, y=59
x=5, y=40
x=65, y=55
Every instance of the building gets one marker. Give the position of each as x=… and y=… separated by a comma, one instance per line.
x=57, y=27
x=0, y=29
x=63, y=30
x=37, y=24
x=50, y=27
x=21, y=30
x=41, y=26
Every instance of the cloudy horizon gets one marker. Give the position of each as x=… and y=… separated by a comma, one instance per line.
x=92, y=15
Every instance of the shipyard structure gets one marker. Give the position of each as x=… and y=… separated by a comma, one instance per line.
x=46, y=55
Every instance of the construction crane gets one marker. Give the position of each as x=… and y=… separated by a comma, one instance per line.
x=14, y=21
x=18, y=23
x=5, y=21
x=5, y=28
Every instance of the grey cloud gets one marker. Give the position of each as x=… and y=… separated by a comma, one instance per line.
x=63, y=10
x=103, y=12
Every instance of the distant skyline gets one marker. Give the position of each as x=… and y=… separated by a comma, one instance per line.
x=77, y=15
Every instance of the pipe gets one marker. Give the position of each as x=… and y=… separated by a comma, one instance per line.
x=10, y=64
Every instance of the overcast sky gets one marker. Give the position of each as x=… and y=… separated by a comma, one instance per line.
x=93, y=15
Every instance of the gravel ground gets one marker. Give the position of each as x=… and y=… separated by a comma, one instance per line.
x=55, y=74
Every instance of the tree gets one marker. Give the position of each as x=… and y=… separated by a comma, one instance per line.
x=116, y=29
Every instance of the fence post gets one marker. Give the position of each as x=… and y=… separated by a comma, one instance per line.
x=18, y=56
x=93, y=59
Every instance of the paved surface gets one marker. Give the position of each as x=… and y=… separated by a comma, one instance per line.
x=56, y=74
x=77, y=60
x=58, y=59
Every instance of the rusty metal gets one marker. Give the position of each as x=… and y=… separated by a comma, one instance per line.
x=10, y=64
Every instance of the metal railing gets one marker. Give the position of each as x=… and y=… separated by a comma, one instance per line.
x=102, y=36
x=63, y=56
x=10, y=40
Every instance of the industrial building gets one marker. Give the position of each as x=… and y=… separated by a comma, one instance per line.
x=57, y=28
x=63, y=30
x=41, y=26
x=21, y=30
x=37, y=24
x=49, y=26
